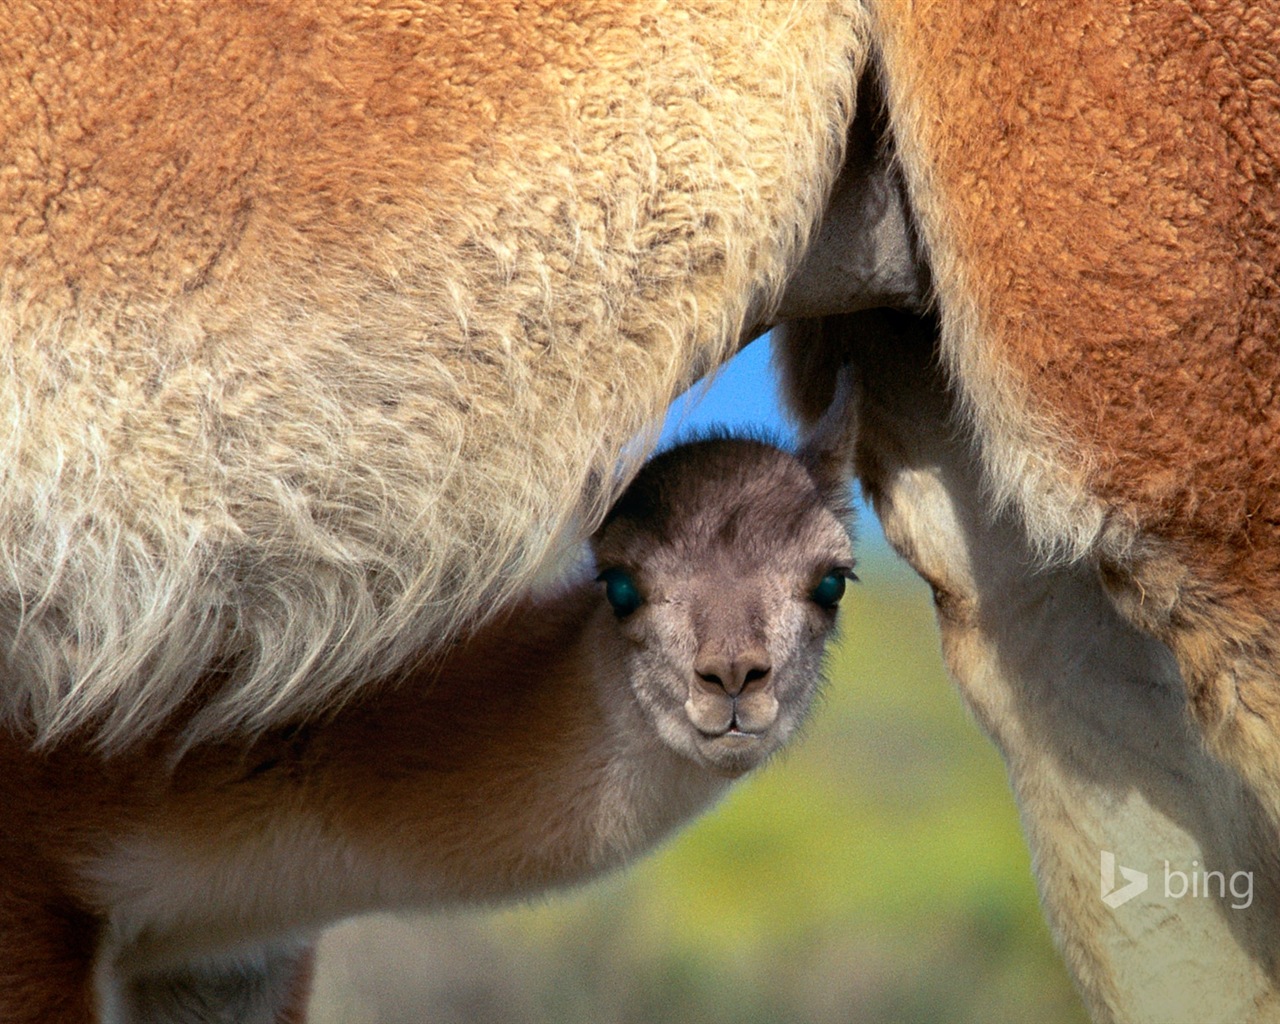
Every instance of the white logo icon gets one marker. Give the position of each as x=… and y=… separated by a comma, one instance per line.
x=1112, y=896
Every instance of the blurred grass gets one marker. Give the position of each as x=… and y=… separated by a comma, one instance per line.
x=874, y=874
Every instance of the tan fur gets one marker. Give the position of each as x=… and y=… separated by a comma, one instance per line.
x=323, y=325
x=1099, y=207
x=1094, y=187
x=1088, y=712
x=557, y=742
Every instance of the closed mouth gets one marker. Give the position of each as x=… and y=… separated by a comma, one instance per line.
x=732, y=732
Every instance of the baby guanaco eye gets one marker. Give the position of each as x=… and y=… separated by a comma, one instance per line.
x=830, y=589
x=621, y=591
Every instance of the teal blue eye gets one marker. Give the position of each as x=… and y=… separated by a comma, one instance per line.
x=829, y=590
x=620, y=591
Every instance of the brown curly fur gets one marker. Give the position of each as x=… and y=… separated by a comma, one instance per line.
x=1096, y=184
x=323, y=325
x=1095, y=190
x=554, y=744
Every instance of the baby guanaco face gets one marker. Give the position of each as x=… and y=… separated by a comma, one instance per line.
x=724, y=563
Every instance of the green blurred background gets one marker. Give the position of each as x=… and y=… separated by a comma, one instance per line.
x=875, y=873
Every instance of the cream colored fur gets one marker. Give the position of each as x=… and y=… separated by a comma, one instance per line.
x=1028, y=463
x=1089, y=714
x=284, y=401
x=1090, y=717
x=323, y=333
x=1087, y=185
x=561, y=740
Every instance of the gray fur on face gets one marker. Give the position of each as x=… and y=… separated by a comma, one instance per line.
x=726, y=540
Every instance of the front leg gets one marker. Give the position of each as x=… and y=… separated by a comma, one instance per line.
x=1089, y=714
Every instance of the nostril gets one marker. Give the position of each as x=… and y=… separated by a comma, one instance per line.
x=732, y=675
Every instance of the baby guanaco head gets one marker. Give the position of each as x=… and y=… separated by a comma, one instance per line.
x=723, y=563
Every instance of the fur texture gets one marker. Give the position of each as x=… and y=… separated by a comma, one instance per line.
x=1089, y=712
x=561, y=740
x=322, y=325
x=1096, y=186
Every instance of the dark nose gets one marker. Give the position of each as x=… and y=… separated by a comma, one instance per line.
x=735, y=673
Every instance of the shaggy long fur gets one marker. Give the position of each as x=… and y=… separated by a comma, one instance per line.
x=1089, y=713
x=322, y=324
x=1096, y=186
x=558, y=742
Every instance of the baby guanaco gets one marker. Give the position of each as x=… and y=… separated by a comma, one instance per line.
x=554, y=743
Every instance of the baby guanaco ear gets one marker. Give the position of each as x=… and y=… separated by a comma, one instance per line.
x=828, y=452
